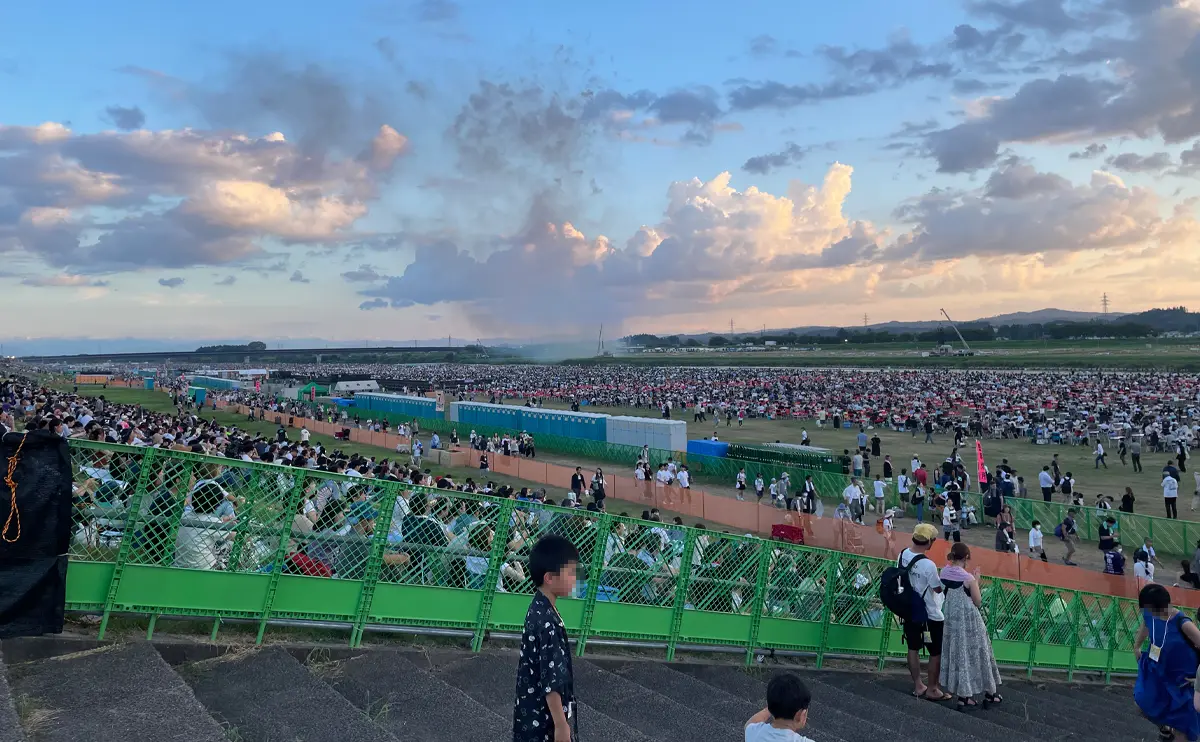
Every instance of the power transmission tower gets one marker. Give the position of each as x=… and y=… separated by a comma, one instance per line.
x=1104, y=303
x=731, y=326
x=866, y=319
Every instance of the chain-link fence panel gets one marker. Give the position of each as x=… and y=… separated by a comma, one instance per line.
x=331, y=527
x=1058, y=624
x=641, y=562
x=445, y=538
x=796, y=583
x=1010, y=610
x=1094, y=632
x=856, y=592
x=724, y=572
x=104, y=482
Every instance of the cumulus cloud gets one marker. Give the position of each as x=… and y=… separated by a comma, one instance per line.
x=713, y=241
x=361, y=274
x=177, y=198
x=1135, y=163
x=124, y=118
x=370, y=304
x=1141, y=84
x=1021, y=211
x=791, y=154
x=1091, y=151
x=855, y=72
x=171, y=283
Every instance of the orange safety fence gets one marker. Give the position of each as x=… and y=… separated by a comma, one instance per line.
x=752, y=517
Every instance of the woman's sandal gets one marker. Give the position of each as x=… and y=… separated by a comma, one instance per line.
x=992, y=699
x=966, y=703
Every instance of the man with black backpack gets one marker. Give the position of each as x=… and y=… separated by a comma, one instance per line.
x=913, y=592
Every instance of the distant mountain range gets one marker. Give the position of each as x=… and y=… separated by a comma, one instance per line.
x=1176, y=319
x=1040, y=316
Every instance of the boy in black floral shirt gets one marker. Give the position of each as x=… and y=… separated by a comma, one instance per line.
x=544, y=710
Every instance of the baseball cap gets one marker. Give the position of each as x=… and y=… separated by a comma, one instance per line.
x=924, y=533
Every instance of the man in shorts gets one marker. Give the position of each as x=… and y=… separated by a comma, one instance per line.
x=928, y=634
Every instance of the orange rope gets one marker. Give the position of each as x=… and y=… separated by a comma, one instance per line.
x=13, y=511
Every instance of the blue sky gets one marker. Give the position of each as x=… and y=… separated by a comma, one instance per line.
x=414, y=170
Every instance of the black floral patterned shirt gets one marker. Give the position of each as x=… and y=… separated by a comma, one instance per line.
x=545, y=667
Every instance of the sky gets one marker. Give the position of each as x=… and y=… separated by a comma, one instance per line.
x=368, y=170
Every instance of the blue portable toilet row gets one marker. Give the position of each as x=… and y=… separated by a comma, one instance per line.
x=213, y=382
x=148, y=382
x=586, y=425
x=198, y=394
x=396, y=404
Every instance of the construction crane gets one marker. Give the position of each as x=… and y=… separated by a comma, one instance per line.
x=966, y=351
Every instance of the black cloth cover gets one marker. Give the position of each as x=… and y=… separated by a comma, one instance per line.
x=33, y=569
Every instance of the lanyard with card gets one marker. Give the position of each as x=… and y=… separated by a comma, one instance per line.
x=1156, y=649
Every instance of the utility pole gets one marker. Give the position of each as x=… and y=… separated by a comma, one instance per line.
x=1104, y=303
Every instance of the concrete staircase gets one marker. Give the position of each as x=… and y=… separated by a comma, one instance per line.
x=131, y=693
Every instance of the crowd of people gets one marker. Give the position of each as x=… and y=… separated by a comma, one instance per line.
x=442, y=539
x=1162, y=409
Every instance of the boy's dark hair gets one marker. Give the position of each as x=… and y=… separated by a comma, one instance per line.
x=787, y=696
x=549, y=555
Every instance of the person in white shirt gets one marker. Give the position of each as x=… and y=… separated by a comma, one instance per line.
x=1143, y=570
x=1036, y=551
x=855, y=500
x=1046, y=482
x=902, y=485
x=923, y=576
x=950, y=523
x=759, y=487
x=1171, y=496
x=1099, y=454
x=739, y=484
x=664, y=475
x=684, y=478
x=774, y=490
x=304, y=434
x=786, y=712
x=880, y=492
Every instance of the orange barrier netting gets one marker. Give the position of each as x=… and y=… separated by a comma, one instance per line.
x=753, y=518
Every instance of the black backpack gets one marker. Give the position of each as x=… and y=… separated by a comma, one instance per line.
x=897, y=594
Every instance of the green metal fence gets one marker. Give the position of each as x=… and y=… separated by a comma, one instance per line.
x=160, y=532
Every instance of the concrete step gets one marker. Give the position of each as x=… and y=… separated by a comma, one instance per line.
x=121, y=692
x=1037, y=720
x=687, y=690
x=647, y=711
x=491, y=680
x=1121, y=719
x=10, y=724
x=266, y=695
x=420, y=707
x=911, y=718
x=825, y=721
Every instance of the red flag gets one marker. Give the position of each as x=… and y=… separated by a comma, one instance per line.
x=979, y=458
